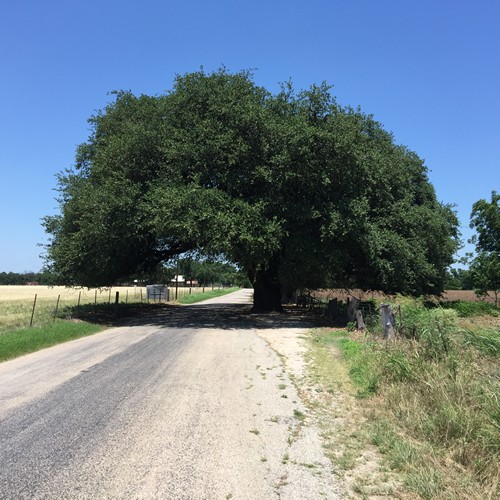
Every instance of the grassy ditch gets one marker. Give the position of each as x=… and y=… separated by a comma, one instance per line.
x=26, y=340
x=428, y=402
x=199, y=297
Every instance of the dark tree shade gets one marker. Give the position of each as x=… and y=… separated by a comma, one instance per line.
x=294, y=189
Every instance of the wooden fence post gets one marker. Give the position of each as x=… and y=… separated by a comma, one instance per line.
x=388, y=321
x=332, y=309
x=359, y=320
x=352, y=307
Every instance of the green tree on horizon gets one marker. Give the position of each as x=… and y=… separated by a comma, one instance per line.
x=485, y=266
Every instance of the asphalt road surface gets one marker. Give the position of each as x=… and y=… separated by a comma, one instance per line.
x=193, y=402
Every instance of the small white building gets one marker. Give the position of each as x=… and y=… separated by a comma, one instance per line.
x=182, y=281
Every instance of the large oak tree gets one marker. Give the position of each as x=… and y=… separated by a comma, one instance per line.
x=293, y=188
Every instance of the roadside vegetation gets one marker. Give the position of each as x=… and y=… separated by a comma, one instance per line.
x=427, y=403
x=26, y=340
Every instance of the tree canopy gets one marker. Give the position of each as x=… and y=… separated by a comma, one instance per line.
x=293, y=188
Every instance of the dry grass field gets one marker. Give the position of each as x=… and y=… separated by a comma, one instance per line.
x=16, y=302
x=10, y=293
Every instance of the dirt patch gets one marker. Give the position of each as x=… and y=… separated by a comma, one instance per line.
x=324, y=386
x=467, y=296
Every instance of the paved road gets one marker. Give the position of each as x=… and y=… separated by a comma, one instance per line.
x=195, y=404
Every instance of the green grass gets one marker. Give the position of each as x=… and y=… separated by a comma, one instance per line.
x=198, y=297
x=26, y=340
x=358, y=356
x=471, y=309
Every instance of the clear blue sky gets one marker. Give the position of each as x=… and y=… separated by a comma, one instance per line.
x=429, y=71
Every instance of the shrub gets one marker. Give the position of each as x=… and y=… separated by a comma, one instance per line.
x=470, y=309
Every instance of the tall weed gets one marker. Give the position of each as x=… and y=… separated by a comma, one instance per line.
x=484, y=340
x=442, y=390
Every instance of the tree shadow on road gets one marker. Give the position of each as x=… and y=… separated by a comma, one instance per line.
x=223, y=316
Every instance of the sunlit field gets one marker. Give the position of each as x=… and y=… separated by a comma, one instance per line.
x=19, y=309
x=16, y=293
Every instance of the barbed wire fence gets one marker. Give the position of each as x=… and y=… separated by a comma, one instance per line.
x=40, y=309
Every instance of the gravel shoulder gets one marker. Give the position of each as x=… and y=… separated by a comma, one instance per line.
x=197, y=403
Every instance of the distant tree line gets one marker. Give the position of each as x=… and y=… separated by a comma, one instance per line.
x=43, y=278
x=201, y=271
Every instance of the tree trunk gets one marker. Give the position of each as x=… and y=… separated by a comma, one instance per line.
x=267, y=292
